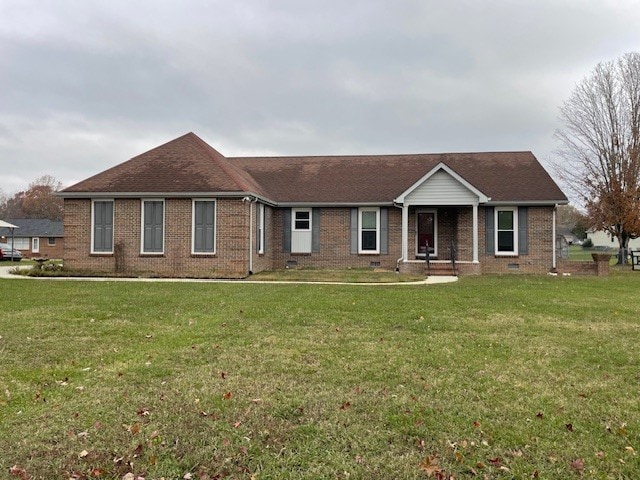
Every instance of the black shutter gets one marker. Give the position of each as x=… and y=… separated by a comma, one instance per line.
x=384, y=231
x=315, y=230
x=286, y=230
x=523, y=230
x=354, y=230
x=490, y=230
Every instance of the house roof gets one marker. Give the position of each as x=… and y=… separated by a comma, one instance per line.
x=188, y=164
x=34, y=227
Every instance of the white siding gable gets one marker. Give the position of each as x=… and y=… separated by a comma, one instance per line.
x=441, y=189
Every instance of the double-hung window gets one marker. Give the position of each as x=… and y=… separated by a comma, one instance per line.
x=153, y=226
x=369, y=230
x=204, y=226
x=102, y=226
x=506, y=240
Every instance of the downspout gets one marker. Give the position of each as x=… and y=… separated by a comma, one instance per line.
x=553, y=232
x=251, y=236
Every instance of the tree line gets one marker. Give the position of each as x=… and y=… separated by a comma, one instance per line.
x=37, y=201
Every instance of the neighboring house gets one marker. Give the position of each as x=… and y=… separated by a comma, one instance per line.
x=600, y=238
x=183, y=209
x=35, y=237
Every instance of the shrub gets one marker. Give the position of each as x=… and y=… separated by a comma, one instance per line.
x=588, y=243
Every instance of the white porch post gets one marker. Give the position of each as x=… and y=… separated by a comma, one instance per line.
x=553, y=240
x=475, y=233
x=405, y=233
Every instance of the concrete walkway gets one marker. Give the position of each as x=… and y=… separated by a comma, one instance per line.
x=4, y=273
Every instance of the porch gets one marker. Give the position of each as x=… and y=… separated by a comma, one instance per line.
x=448, y=233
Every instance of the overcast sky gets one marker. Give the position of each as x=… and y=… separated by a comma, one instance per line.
x=85, y=85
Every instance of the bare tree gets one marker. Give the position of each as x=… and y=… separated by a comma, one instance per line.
x=601, y=147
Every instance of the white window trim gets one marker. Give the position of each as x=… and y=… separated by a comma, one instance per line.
x=164, y=212
x=193, y=226
x=261, y=212
x=93, y=218
x=515, y=231
x=377, y=211
x=435, y=231
x=293, y=220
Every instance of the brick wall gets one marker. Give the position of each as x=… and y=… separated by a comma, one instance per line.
x=537, y=260
x=232, y=241
x=335, y=243
x=229, y=261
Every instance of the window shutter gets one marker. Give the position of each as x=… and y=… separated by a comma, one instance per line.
x=523, y=230
x=490, y=230
x=199, y=226
x=315, y=230
x=108, y=226
x=384, y=231
x=148, y=226
x=354, y=230
x=286, y=230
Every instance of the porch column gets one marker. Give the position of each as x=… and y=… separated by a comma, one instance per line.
x=475, y=233
x=405, y=233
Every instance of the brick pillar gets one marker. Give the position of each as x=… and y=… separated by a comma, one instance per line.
x=602, y=263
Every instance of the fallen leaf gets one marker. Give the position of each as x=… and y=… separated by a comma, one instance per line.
x=187, y=476
x=358, y=459
x=569, y=427
x=134, y=429
x=138, y=450
x=227, y=395
x=97, y=472
x=578, y=464
x=539, y=415
x=237, y=424
x=600, y=454
x=129, y=476
x=345, y=405
x=83, y=454
x=630, y=450
x=431, y=465
x=18, y=471
x=223, y=375
x=480, y=465
x=495, y=461
x=459, y=457
x=535, y=474
x=476, y=424
x=143, y=412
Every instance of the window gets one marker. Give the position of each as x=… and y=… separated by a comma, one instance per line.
x=19, y=243
x=204, y=226
x=152, y=226
x=102, y=228
x=260, y=228
x=506, y=239
x=369, y=230
x=302, y=220
x=51, y=241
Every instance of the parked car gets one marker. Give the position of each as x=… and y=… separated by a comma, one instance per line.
x=8, y=253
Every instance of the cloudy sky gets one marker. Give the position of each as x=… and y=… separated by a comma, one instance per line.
x=85, y=85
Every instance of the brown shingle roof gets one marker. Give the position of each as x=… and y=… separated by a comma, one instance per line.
x=502, y=176
x=188, y=164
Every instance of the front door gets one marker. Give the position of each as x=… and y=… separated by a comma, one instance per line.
x=426, y=233
x=35, y=245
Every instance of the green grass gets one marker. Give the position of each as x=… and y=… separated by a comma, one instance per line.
x=491, y=377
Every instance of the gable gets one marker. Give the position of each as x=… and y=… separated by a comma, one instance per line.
x=441, y=189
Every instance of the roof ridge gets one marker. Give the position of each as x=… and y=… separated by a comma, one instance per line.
x=380, y=155
x=234, y=172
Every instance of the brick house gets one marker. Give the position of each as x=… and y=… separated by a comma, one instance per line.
x=183, y=209
x=35, y=237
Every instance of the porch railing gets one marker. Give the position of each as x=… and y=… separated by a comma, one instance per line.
x=453, y=255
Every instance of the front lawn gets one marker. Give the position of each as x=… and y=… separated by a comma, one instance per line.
x=489, y=377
